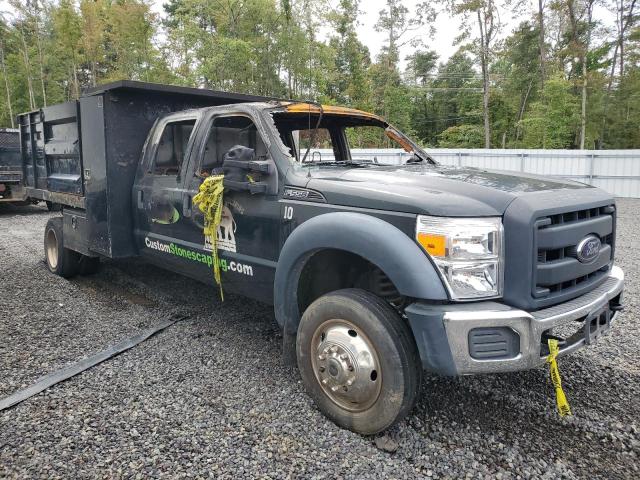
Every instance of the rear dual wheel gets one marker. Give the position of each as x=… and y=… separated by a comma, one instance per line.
x=63, y=261
x=358, y=360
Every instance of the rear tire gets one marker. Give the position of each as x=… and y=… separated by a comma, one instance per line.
x=60, y=260
x=358, y=360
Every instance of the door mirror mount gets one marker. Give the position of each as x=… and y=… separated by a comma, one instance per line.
x=240, y=167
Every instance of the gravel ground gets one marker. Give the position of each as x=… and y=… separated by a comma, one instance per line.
x=210, y=397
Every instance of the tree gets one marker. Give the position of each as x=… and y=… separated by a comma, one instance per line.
x=553, y=119
x=421, y=66
x=580, y=16
x=485, y=13
x=519, y=65
x=462, y=136
x=5, y=74
x=67, y=32
x=452, y=97
x=399, y=28
x=350, y=84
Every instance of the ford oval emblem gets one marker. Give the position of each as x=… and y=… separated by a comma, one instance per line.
x=588, y=249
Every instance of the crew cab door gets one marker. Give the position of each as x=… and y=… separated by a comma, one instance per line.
x=248, y=236
x=159, y=187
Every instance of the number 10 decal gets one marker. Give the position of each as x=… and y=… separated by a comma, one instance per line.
x=288, y=213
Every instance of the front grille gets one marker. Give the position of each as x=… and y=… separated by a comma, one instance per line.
x=557, y=271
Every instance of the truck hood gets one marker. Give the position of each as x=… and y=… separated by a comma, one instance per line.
x=429, y=189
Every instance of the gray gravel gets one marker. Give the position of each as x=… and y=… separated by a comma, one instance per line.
x=210, y=396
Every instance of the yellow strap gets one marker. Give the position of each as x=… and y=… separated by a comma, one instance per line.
x=209, y=201
x=561, y=399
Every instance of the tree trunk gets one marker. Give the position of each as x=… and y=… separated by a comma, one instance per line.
x=40, y=57
x=582, y=47
x=485, y=83
x=523, y=105
x=27, y=66
x=621, y=38
x=6, y=85
x=608, y=94
x=583, y=111
x=624, y=24
x=541, y=43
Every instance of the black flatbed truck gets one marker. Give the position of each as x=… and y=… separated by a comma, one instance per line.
x=375, y=271
x=11, y=188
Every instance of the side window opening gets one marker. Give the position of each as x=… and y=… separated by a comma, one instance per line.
x=224, y=134
x=172, y=147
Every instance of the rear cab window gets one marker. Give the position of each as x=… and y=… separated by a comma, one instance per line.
x=172, y=147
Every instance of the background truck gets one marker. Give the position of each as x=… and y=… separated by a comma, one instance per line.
x=375, y=271
x=11, y=188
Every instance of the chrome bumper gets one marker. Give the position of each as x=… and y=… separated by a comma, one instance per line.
x=490, y=337
x=530, y=327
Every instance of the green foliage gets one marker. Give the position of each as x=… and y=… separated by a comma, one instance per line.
x=462, y=136
x=553, y=120
x=52, y=49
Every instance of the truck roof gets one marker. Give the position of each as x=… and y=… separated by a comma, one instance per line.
x=132, y=85
x=304, y=107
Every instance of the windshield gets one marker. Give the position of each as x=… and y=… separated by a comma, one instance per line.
x=341, y=139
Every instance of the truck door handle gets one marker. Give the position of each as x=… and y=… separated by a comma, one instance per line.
x=186, y=205
x=140, y=198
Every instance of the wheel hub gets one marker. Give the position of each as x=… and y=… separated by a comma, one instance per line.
x=346, y=365
x=52, y=248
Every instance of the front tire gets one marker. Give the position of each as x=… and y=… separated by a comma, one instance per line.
x=60, y=260
x=358, y=360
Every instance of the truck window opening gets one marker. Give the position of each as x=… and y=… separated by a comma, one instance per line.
x=224, y=134
x=172, y=147
x=339, y=133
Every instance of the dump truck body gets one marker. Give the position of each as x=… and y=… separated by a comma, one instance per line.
x=84, y=154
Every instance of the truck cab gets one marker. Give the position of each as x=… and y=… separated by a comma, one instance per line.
x=375, y=271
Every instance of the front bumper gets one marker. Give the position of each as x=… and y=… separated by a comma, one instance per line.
x=490, y=337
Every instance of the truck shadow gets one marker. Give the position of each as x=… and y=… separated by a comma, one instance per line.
x=11, y=209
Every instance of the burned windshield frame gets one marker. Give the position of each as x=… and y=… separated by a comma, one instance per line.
x=286, y=123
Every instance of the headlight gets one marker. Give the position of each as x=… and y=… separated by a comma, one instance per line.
x=467, y=251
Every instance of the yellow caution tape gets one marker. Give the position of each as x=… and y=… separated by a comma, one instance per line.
x=209, y=201
x=561, y=399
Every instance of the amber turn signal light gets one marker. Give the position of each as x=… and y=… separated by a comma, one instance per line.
x=435, y=245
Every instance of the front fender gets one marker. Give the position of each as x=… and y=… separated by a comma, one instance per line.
x=379, y=242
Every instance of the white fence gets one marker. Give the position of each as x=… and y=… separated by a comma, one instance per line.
x=617, y=171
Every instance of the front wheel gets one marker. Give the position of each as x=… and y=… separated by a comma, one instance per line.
x=358, y=360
